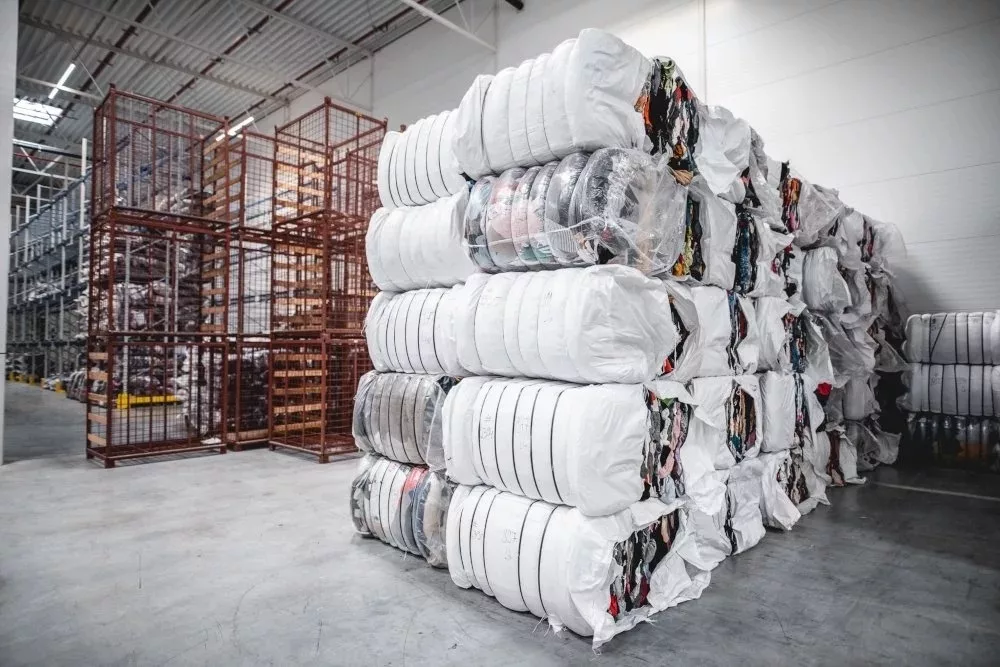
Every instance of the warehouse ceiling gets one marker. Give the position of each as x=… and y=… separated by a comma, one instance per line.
x=235, y=58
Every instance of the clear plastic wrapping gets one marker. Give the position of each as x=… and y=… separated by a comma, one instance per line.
x=596, y=576
x=599, y=448
x=420, y=246
x=721, y=335
x=598, y=324
x=824, y=288
x=383, y=499
x=399, y=416
x=414, y=332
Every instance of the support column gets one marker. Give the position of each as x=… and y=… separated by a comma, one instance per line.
x=8, y=72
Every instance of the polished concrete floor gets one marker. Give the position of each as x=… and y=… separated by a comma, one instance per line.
x=249, y=559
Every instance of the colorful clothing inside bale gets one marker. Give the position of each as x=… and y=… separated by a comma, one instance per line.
x=670, y=112
x=635, y=559
x=791, y=189
x=745, y=250
x=795, y=329
x=670, y=363
x=742, y=428
x=792, y=479
x=691, y=261
x=669, y=419
x=739, y=327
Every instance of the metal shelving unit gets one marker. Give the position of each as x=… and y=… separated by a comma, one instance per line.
x=49, y=268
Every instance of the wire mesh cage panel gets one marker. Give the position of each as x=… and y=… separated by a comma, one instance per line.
x=159, y=159
x=150, y=395
x=248, y=372
x=320, y=280
x=250, y=256
x=314, y=171
x=312, y=385
x=251, y=181
x=158, y=276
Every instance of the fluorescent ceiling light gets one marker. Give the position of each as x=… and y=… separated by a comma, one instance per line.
x=36, y=112
x=234, y=130
x=62, y=80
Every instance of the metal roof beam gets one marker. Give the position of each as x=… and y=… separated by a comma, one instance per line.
x=93, y=41
x=193, y=45
x=45, y=148
x=434, y=16
x=302, y=25
x=50, y=85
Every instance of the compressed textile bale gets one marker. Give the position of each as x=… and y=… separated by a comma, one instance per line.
x=535, y=112
x=557, y=221
x=496, y=110
x=413, y=332
x=783, y=335
x=842, y=464
x=706, y=256
x=852, y=351
x=853, y=402
x=500, y=241
x=418, y=166
x=468, y=146
x=430, y=518
x=953, y=338
x=791, y=411
x=418, y=247
x=758, y=254
x=596, y=576
x=627, y=208
x=824, y=288
x=955, y=389
x=385, y=175
x=772, y=472
x=721, y=332
x=594, y=325
x=882, y=246
x=723, y=151
x=383, y=499
x=556, y=120
x=599, y=448
x=398, y=416
x=517, y=115
x=727, y=421
x=875, y=446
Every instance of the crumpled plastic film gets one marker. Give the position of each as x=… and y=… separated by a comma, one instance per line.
x=557, y=221
x=595, y=324
x=498, y=221
x=818, y=210
x=383, y=501
x=882, y=246
x=727, y=421
x=596, y=576
x=852, y=351
x=842, y=465
x=824, y=288
x=721, y=332
x=430, y=518
x=414, y=332
x=706, y=255
x=422, y=246
x=773, y=472
x=398, y=416
x=723, y=151
x=783, y=339
x=875, y=446
x=627, y=208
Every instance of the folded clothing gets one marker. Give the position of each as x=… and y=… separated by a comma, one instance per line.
x=398, y=416
x=403, y=505
x=599, y=448
x=418, y=166
x=413, y=332
x=953, y=338
x=596, y=576
x=598, y=324
x=955, y=389
x=419, y=246
x=720, y=334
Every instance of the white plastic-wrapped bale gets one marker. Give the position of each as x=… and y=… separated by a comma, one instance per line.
x=599, y=448
x=953, y=338
x=854, y=401
x=773, y=472
x=598, y=324
x=824, y=288
x=719, y=333
x=791, y=411
x=882, y=246
x=841, y=465
x=852, y=351
x=737, y=526
x=727, y=419
x=419, y=246
x=758, y=255
x=398, y=504
x=596, y=576
x=706, y=255
x=398, y=416
x=954, y=389
x=784, y=338
x=722, y=153
x=581, y=97
x=413, y=332
x=418, y=166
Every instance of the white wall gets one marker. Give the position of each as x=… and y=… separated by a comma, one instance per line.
x=896, y=103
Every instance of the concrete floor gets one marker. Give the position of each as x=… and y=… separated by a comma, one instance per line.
x=249, y=559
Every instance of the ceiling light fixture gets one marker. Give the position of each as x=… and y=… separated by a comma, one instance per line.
x=62, y=80
x=36, y=112
x=234, y=130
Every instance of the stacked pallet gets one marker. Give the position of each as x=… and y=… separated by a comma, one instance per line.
x=600, y=340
